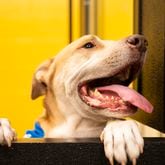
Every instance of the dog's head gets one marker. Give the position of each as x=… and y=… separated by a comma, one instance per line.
x=90, y=76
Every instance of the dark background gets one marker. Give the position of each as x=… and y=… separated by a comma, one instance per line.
x=149, y=20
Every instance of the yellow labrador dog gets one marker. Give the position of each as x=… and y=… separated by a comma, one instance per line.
x=86, y=94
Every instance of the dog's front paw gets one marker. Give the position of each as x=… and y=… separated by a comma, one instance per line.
x=7, y=133
x=122, y=139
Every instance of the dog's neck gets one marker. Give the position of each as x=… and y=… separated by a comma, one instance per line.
x=56, y=125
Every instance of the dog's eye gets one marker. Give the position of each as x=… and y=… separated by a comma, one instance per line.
x=88, y=45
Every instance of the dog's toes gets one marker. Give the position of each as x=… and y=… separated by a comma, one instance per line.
x=7, y=134
x=133, y=150
x=119, y=146
x=138, y=137
x=114, y=145
x=107, y=139
x=133, y=140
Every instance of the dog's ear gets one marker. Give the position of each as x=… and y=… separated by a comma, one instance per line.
x=40, y=80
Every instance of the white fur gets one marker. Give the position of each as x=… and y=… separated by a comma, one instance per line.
x=7, y=133
x=122, y=139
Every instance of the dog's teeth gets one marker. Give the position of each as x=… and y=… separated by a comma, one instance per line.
x=91, y=93
x=127, y=74
x=124, y=75
x=116, y=102
x=92, y=101
x=97, y=93
x=121, y=101
x=112, y=98
x=106, y=97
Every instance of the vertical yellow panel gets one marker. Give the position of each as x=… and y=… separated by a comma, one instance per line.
x=30, y=32
x=115, y=18
x=75, y=19
x=107, y=18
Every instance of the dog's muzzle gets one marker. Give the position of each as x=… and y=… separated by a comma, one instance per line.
x=112, y=92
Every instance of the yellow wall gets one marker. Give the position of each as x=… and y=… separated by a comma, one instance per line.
x=32, y=31
x=115, y=18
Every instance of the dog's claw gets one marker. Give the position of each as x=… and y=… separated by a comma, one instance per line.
x=8, y=141
x=123, y=163
x=133, y=161
x=102, y=136
x=111, y=161
x=141, y=149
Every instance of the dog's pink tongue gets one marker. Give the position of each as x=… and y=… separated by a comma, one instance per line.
x=130, y=96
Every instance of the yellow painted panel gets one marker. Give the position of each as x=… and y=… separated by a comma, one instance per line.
x=30, y=32
x=75, y=19
x=115, y=18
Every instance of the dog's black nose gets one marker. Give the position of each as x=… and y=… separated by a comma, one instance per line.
x=138, y=41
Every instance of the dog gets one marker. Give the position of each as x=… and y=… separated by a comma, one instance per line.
x=86, y=94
